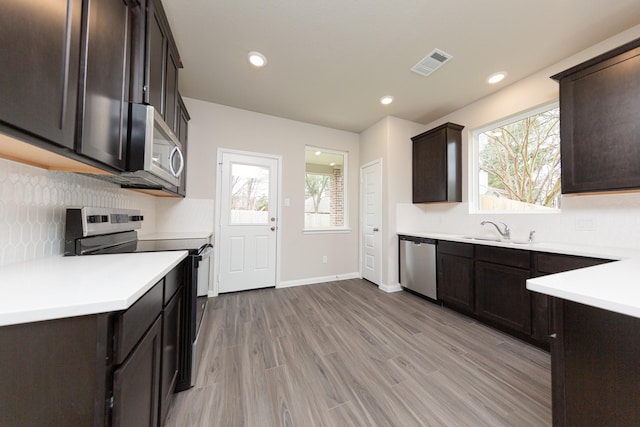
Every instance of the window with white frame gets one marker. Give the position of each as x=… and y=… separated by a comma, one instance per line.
x=325, y=183
x=517, y=163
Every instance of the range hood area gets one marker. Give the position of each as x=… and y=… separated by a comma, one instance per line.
x=155, y=159
x=152, y=147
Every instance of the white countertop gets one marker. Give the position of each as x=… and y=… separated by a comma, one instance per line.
x=175, y=235
x=614, y=286
x=58, y=287
x=551, y=247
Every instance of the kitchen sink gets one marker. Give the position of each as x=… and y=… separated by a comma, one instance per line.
x=495, y=239
x=487, y=239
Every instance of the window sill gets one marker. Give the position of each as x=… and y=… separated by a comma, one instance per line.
x=525, y=212
x=337, y=230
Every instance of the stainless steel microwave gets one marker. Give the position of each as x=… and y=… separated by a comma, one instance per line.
x=155, y=154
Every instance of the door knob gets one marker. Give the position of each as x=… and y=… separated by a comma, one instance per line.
x=376, y=229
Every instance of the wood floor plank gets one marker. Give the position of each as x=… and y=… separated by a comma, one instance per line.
x=347, y=354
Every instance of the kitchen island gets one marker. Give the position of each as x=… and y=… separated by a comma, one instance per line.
x=90, y=340
x=595, y=350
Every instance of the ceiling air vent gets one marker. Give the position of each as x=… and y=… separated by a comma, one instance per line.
x=434, y=60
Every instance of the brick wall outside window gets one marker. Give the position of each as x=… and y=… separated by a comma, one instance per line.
x=336, y=205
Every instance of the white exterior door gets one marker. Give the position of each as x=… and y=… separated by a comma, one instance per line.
x=371, y=240
x=248, y=222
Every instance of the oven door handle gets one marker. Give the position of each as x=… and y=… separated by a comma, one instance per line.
x=204, y=252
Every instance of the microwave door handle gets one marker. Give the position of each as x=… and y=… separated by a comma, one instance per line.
x=175, y=151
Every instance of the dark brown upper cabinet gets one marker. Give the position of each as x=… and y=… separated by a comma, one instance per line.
x=104, y=95
x=40, y=54
x=156, y=60
x=437, y=165
x=171, y=90
x=182, y=132
x=599, y=126
x=65, y=79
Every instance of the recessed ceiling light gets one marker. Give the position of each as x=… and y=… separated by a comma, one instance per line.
x=386, y=100
x=257, y=59
x=496, y=77
x=318, y=153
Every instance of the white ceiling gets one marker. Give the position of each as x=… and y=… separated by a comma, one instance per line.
x=329, y=61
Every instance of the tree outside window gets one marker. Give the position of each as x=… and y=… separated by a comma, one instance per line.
x=249, y=194
x=519, y=164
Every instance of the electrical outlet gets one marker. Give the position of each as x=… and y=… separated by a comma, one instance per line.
x=324, y=259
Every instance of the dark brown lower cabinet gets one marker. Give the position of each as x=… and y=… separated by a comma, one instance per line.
x=489, y=283
x=52, y=373
x=502, y=297
x=112, y=369
x=595, y=367
x=170, y=353
x=136, y=383
x=455, y=276
x=543, y=264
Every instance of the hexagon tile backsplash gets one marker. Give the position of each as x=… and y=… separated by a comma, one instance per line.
x=33, y=203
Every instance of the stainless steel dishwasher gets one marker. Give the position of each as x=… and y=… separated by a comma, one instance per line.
x=418, y=265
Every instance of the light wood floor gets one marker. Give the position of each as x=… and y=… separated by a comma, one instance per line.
x=348, y=354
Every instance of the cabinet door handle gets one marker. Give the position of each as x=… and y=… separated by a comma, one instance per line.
x=376, y=229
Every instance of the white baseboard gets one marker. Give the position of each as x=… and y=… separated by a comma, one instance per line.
x=313, y=280
x=390, y=288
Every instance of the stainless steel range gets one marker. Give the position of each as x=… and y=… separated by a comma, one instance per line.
x=98, y=231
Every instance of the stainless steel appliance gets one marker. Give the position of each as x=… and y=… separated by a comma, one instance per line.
x=154, y=150
x=155, y=158
x=97, y=231
x=418, y=265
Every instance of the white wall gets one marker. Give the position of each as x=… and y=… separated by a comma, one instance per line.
x=390, y=140
x=606, y=220
x=214, y=126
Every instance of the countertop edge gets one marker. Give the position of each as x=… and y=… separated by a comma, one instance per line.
x=548, y=247
x=592, y=286
x=125, y=298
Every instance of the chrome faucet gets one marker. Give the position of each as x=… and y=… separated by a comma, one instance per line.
x=506, y=234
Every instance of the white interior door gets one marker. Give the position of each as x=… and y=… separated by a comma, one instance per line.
x=371, y=239
x=248, y=222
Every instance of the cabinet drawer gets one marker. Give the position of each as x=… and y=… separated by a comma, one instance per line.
x=455, y=248
x=131, y=325
x=172, y=281
x=553, y=263
x=503, y=256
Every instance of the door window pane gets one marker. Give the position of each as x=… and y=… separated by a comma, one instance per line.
x=249, y=194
